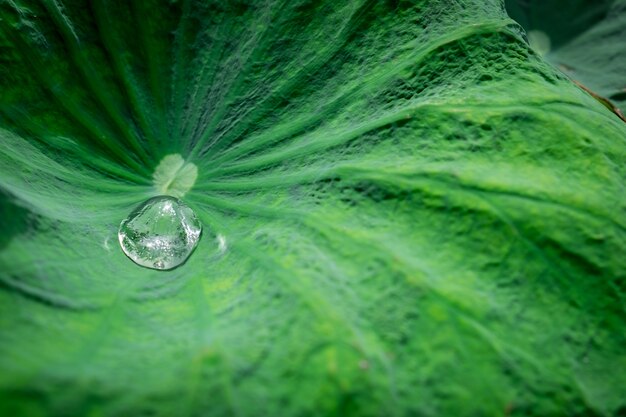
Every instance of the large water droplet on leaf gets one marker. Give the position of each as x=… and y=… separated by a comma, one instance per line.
x=160, y=234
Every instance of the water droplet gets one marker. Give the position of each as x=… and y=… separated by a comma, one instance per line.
x=161, y=233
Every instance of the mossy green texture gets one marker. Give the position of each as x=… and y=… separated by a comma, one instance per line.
x=407, y=212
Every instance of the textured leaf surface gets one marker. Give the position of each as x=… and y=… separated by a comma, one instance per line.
x=406, y=212
x=585, y=39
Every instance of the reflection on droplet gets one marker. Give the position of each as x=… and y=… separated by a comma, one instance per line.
x=160, y=234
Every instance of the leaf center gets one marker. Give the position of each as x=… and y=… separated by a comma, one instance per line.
x=173, y=176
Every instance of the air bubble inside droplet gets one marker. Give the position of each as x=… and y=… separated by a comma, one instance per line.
x=161, y=233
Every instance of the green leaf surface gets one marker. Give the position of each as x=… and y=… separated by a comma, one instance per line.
x=406, y=210
x=586, y=40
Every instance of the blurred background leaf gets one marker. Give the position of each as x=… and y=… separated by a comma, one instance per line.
x=584, y=39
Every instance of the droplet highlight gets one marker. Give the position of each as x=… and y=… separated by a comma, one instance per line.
x=160, y=234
